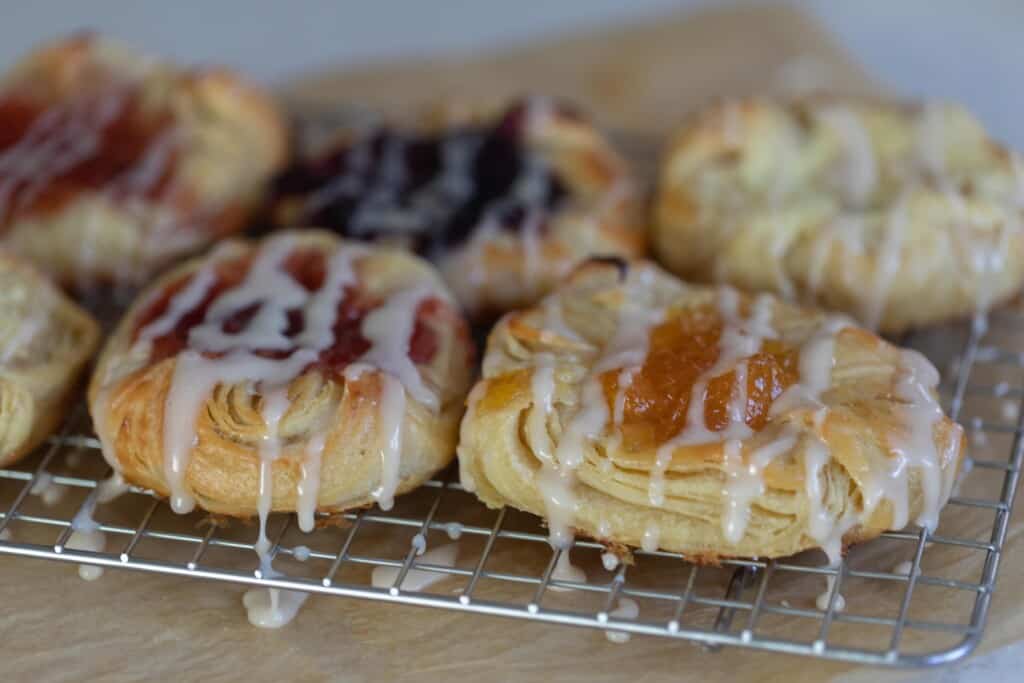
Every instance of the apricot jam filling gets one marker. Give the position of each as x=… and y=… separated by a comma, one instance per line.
x=681, y=350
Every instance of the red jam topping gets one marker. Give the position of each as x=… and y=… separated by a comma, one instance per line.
x=50, y=153
x=308, y=268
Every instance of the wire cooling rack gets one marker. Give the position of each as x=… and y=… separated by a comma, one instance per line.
x=504, y=565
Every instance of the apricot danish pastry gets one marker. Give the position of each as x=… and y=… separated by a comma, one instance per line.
x=639, y=410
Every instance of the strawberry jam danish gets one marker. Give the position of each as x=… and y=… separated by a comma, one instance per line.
x=900, y=215
x=505, y=204
x=638, y=410
x=299, y=374
x=112, y=165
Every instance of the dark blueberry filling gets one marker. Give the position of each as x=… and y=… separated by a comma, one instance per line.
x=431, y=192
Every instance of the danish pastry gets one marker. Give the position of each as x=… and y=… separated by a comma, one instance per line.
x=301, y=373
x=504, y=204
x=45, y=341
x=112, y=165
x=638, y=410
x=901, y=216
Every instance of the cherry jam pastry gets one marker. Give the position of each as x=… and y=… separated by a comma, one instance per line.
x=505, y=205
x=638, y=410
x=112, y=165
x=303, y=373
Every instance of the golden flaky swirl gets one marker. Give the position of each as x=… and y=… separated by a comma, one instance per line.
x=113, y=164
x=128, y=396
x=45, y=341
x=846, y=440
x=510, y=256
x=899, y=215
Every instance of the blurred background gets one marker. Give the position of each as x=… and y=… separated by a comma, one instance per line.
x=967, y=51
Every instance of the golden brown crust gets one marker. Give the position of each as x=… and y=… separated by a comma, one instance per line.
x=158, y=160
x=128, y=399
x=498, y=270
x=864, y=419
x=45, y=342
x=900, y=215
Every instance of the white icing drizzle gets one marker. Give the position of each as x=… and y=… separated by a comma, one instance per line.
x=418, y=579
x=887, y=263
x=978, y=435
x=651, y=537
x=454, y=530
x=860, y=172
x=821, y=249
x=823, y=599
x=197, y=288
x=740, y=338
x=48, y=491
x=745, y=481
x=301, y=553
x=903, y=568
x=627, y=609
x=779, y=246
x=272, y=607
x=392, y=414
x=1010, y=410
x=275, y=406
x=627, y=348
x=419, y=542
x=542, y=385
x=86, y=533
x=565, y=570
x=60, y=138
x=91, y=541
x=609, y=560
x=26, y=332
x=309, y=483
x=915, y=450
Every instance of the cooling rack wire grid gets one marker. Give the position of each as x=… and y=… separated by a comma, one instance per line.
x=504, y=565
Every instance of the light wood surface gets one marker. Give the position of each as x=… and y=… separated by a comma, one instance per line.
x=126, y=626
